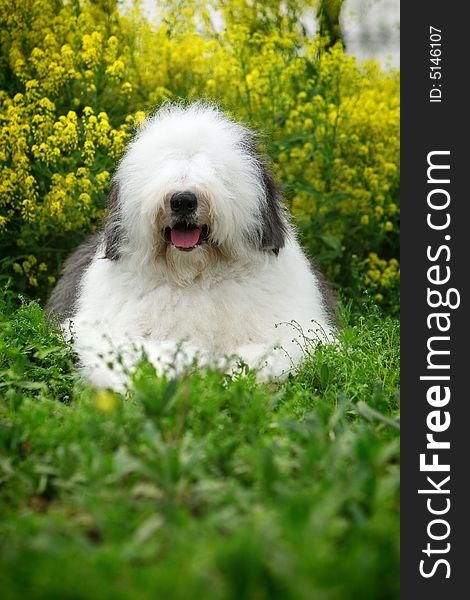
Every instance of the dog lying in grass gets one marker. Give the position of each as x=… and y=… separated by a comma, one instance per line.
x=197, y=260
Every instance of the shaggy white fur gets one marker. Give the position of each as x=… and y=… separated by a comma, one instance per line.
x=197, y=259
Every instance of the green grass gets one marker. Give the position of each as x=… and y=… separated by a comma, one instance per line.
x=201, y=487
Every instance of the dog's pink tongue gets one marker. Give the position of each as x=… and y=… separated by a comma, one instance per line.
x=185, y=239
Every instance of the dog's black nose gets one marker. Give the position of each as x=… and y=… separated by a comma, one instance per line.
x=183, y=203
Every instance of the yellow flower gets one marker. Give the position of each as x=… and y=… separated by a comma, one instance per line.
x=127, y=88
x=84, y=198
x=116, y=69
x=308, y=147
x=106, y=401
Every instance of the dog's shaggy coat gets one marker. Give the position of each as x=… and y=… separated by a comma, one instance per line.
x=197, y=260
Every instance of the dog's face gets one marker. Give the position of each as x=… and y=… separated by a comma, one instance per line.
x=192, y=185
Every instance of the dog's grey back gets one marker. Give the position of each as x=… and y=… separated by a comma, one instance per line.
x=61, y=305
x=330, y=301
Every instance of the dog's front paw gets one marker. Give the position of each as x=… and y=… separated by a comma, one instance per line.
x=269, y=362
x=105, y=377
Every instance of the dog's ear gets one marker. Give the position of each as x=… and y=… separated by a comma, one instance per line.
x=273, y=218
x=274, y=222
x=113, y=225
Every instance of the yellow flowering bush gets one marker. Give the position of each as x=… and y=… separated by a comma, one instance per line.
x=76, y=77
x=380, y=275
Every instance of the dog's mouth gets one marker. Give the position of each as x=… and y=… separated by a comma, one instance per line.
x=186, y=236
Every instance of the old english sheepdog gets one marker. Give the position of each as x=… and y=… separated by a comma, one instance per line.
x=197, y=262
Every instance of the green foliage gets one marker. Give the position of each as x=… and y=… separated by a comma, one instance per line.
x=33, y=358
x=203, y=486
x=76, y=77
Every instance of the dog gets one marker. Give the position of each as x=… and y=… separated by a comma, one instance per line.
x=197, y=262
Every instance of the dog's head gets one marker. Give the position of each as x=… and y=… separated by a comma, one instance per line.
x=191, y=186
